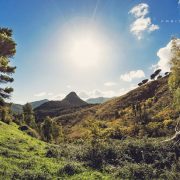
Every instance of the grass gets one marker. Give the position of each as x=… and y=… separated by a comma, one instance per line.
x=24, y=157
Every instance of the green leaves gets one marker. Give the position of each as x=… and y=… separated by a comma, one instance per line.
x=7, y=51
x=174, y=79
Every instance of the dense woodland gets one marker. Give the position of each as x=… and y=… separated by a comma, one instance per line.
x=135, y=136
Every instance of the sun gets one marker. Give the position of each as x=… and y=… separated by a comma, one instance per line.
x=85, y=47
x=86, y=51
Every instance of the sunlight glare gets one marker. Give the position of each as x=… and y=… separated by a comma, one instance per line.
x=85, y=47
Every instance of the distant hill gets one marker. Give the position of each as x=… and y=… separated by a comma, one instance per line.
x=73, y=100
x=98, y=100
x=18, y=108
x=69, y=104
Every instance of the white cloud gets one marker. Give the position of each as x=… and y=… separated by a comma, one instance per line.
x=153, y=27
x=140, y=10
x=179, y=2
x=109, y=84
x=40, y=94
x=142, y=23
x=96, y=93
x=99, y=93
x=165, y=55
x=68, y=86
x=132, y=75
x=58, y=97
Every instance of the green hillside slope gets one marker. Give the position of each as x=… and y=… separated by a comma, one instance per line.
x=23, y=157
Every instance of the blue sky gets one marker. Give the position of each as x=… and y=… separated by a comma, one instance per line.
x=93, y=47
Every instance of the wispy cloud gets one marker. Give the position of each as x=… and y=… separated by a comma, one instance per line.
x=100, y=93
x=96, y=93
x=129, y=76
x=40, y=94
x=142, y=23
x=110, y=84
x=57, y=97
x=95, y=9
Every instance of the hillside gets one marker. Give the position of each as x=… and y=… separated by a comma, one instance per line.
x=107, y=141
x=24, y=157
x=71, y=103
x=18, y=108
x=156, y=116
x=156, y=92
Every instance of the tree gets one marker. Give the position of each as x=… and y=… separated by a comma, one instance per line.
x=155, y=74
x=144, y=81
x=152, y=76
x=174, y=78
x=7, y=51
x=57, y=133
x=29, y=115
x=174, y=83
x=166, y=73
x=159, y=77
x=5, y=114
x=47, y=129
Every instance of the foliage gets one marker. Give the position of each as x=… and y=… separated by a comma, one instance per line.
x=7, y=51
x=24, y=157
x=28, y=115
x=174, y=79
x=47, y=129
x=155, y=74
x=5, y=114
x=71, y=169
x=51, y=131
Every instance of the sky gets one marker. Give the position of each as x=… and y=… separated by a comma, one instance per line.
x=93, y=47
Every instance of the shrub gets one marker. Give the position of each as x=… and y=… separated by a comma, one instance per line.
x=52, y=153
x=70, y=169
x=135, y=171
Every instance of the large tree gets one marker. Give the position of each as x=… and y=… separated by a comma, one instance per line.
x=7, y=52
x=174, y=79
x=29, y=115
x=174, y=83
x=47, y=129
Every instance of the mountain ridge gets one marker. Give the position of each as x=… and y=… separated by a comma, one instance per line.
x=69, y=104
x=18, y=108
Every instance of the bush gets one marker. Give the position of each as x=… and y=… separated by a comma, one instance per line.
x=70, y=169
x=52, y=152
x=135, y=171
